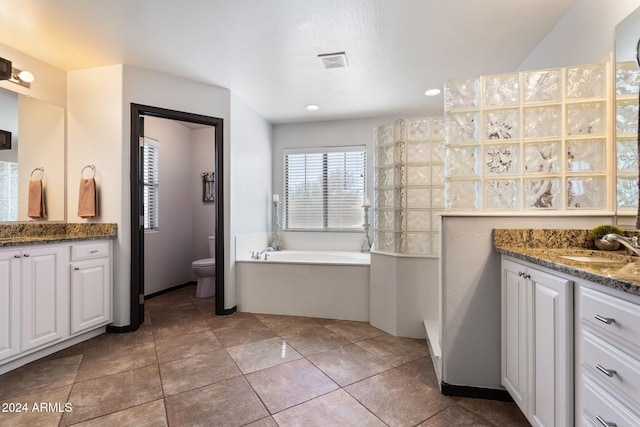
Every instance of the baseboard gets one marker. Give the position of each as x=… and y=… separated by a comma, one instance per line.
x=475, y=392
x=121, y=329
x=164, y=291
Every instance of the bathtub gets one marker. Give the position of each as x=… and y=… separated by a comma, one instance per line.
x=326, y=284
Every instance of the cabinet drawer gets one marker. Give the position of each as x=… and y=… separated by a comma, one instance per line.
x=617, y=317
x=612, y=366
x=89, y=251
x=600, y=405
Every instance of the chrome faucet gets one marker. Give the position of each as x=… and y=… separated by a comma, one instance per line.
x=629, y=243
x=258, y=254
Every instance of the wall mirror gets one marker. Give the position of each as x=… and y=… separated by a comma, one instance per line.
x=37, y=152
x=627, y=83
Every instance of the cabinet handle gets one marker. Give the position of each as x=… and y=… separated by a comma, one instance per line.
x=607, y=372
x=520, y=273
x=16, y=256
x=606, y=423
x=76, y=268
x=526, y=276
x=94, y=251
x=26, y=255
x=607, y=320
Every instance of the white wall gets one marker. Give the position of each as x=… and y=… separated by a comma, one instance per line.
x=324, y=134
x=95, y=136
x=584, y=35
x=50, y=83
x=167, y=251
x=250, y=180
x=470, y=323
x=203, y=215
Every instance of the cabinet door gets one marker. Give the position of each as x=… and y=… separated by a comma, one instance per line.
x=515, y=333
x=90, y=294
x=553, y=350
x=9, y=303
x=45, y=284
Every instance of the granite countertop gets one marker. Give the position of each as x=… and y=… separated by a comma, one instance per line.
x=548, y=247
x=41, y=233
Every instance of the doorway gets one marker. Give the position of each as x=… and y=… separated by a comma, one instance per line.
x=138, y=113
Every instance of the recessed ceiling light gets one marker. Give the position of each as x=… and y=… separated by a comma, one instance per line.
x=432, y=92
x=312, y=107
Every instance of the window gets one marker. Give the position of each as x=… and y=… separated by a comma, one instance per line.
x=9, y=193
x=324, y=188
x=150, y=184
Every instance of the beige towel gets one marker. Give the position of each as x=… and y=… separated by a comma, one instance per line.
x=88, y=199
x=35, y=208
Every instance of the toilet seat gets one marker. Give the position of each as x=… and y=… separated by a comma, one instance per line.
x=206, y=262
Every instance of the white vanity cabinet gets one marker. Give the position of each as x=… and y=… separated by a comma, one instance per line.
x=537, y=342
x=608, y=341
x=44, y=292
x=9, y=303
x=52, y=296
x=90, y=286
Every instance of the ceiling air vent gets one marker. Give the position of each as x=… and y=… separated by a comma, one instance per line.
x=334, y=60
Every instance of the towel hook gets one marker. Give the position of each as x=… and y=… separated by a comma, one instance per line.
x=41, y=170
x=93, y=169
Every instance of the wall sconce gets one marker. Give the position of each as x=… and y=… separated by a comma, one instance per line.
x=21, y=77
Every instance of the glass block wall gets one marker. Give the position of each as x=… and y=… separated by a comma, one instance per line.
x=8, y=191
x=627, y=83
x=409, y=186
x=534, y=140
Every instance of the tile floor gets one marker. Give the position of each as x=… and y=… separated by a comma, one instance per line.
x=186, y=367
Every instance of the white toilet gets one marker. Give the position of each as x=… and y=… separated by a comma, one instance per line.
x=205, y=271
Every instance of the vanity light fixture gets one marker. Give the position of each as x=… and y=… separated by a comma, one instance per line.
x=312, y=107
x=432, y=92
x=22, y=77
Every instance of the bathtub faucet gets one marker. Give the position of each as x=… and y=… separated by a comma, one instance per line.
x=258, y=254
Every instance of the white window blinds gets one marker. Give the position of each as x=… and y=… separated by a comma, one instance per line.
x=324, y=188
x=150, y=165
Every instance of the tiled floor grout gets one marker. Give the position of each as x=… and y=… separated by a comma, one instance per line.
x=342, y=371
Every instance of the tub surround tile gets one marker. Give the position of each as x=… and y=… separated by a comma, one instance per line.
x=152, y=414
x=197, y=371
x=290, y=384
x=398, y=399
x=229, y=403
x=101, y=396
x=39, y=375
x=346, y=365
x=337, y=408
x=546, y=248
x=39, y=233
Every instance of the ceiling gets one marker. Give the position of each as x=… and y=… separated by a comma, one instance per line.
x=265, y=51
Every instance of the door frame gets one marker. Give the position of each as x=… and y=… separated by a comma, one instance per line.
x=139, y=111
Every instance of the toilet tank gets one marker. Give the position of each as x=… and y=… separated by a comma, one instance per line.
x=212, y=246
